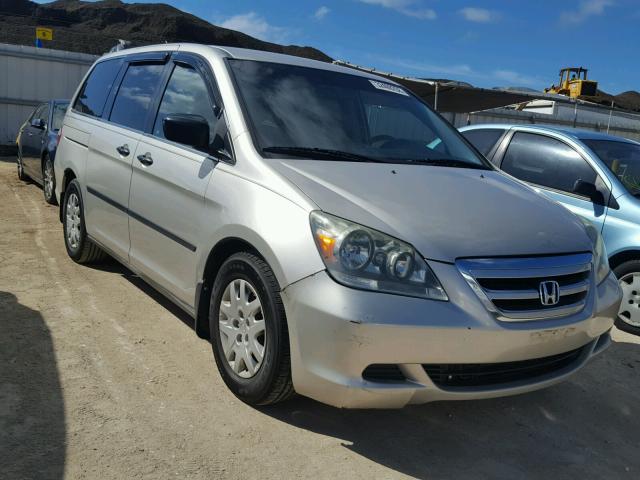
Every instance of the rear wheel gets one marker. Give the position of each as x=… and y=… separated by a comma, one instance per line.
x=48, y=181
x=249, y=332
x=628, y=274
x=79, y=247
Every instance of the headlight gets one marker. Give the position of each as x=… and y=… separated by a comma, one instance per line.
x=600, y=258
x=360, y=257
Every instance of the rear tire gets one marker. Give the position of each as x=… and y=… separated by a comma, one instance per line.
x=49, y=181
x=246, y=298
x=628, y=274
x=79, y=247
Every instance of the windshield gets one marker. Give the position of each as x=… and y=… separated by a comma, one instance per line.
x=313, y=113
x=622, y=158
x=59, y=109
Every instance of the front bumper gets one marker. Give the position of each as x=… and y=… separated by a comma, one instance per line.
x=336, y=332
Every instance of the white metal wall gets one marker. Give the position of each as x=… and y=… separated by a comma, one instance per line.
x=30, y=75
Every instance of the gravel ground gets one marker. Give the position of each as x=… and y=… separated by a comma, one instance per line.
x=100, y=377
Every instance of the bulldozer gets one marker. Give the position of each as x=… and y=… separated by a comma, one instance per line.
x=574, y=83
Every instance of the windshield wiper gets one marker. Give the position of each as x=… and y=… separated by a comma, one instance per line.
x=448, y=162
x=321, y=153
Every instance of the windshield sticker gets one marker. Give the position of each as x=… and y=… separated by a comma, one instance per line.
x=388, y=87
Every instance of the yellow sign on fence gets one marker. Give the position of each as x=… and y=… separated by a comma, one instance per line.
x=44, y=33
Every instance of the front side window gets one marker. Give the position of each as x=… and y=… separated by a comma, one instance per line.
x=546, y=161
x=484, y=139
x=314, y=113
x=59, y=109
x=135, y=94
x=622, y=158
x=95, y=90
x=186, y=93
x=37, y=113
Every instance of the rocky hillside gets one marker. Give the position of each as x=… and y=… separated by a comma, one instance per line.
x=95, y=27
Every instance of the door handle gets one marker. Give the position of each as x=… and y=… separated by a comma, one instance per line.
x=145, y=159
x=123, y=150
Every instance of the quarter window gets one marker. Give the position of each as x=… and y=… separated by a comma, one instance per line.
x=484, y=139
x=95, y=90
x=135, y=94
x=546, y=162
x=186, y=93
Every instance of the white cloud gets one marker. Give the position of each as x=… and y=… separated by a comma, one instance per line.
x=255, y=25
x=515, y=79
x=411, y=8
x=479, y=15
x=587, y=8
x=321, y=13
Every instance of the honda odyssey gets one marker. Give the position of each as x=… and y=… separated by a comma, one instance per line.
x=330, y=234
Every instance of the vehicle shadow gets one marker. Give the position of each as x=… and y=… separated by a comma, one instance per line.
x=32, y=417
x=113, y=266
x=588, y=426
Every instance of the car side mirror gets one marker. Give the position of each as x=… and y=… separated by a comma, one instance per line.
x=589, y=190
x=586, y=189
x=187, y=129
x=38, y=123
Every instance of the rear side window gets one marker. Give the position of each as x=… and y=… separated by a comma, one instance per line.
x=484, y=139
x=186, y=93
x=95, y=90
x=546, y=162
x=136, y=92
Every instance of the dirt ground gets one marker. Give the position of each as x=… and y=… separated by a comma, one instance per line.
x=100, y=377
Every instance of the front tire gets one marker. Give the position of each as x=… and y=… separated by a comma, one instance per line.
x=49, y=181
x=249, y=334
x=23, y=177
x=79, y=247
x=628, y=274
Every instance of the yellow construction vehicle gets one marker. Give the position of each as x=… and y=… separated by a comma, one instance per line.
x=574, y=83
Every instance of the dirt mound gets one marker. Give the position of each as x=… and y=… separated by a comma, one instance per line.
x=95, y=27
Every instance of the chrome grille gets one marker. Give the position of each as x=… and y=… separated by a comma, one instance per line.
x=510, y=287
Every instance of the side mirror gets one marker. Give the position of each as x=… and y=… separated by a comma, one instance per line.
x=586, y=189
x=191, y=130
x=38, y=123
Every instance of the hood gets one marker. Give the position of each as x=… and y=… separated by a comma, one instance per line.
x=445, y=213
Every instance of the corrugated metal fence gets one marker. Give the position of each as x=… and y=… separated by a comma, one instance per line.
x=29, y=76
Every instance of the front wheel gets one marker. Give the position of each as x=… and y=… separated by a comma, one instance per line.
x=628, y=274
x=49, y=181
x=21, y=175
x=79, y=246
x=249, y=332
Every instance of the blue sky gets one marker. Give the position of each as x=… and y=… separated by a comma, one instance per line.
x=488, y=43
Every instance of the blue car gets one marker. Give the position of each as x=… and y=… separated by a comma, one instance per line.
x=596, y=176
x=37, y=142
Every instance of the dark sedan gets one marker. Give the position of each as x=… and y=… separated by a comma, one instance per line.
x=37, y=142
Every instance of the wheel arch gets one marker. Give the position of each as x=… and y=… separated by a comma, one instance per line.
x=69, y=175
x=222, y=250
x=620, y=257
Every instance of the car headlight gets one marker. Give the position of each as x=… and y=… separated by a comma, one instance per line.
x=361, y=257
x=600, y=258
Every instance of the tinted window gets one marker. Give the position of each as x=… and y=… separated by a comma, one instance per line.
x=135, y=94
x=546, y=162
x=483, y=139
x=95, y=91
x=59, y=109
x=622, y=158
x=305, y=110
x=186, y=93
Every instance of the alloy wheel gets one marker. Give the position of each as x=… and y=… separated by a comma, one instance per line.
x=629, y=311
x=73, y=221
x=48, y=178
x=242, y=328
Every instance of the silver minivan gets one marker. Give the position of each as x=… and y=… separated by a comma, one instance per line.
x=329, y=233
